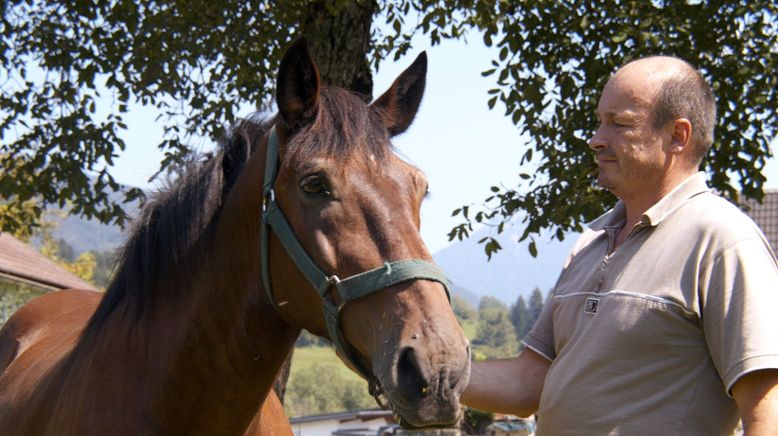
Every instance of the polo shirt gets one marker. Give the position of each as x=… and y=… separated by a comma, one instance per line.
x=650, y=338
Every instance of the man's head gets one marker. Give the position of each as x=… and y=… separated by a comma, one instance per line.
x=656, y=123
x=686, y=94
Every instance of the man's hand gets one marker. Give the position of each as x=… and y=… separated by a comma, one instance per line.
x=756, y=394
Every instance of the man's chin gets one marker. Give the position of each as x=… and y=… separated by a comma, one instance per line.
x=605, y=182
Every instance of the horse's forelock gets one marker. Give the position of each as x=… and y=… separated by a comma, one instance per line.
x=345, y=126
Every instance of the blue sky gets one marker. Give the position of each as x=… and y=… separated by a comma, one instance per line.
x=463, y=147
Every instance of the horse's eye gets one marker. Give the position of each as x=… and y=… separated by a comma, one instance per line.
x=315, y=185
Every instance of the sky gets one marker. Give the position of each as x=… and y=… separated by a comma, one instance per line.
x=463, y=147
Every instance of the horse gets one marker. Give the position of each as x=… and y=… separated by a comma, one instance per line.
x=306, y=219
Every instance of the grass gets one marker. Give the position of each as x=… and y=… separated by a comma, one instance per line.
x=470, y=327
x=319, y=382
x=305, y=357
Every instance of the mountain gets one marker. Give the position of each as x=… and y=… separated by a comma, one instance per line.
x=468, y=295
x=88, y=235
x=83, y=234
x=512, y=271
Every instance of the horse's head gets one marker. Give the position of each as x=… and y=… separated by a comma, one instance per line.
x=353, y=205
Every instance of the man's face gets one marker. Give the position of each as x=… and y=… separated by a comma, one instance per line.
x=629, y=151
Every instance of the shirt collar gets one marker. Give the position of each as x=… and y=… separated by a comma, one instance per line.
x=687, y=189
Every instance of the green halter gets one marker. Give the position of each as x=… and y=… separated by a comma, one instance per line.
x=351, y=288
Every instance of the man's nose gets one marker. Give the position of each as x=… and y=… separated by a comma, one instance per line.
x=597, y=141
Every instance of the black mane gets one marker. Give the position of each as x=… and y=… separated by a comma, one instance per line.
x=167, y=231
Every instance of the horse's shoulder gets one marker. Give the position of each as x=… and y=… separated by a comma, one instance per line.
x=52, y=317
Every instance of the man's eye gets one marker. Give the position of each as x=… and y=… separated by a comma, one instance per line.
x=620, y=123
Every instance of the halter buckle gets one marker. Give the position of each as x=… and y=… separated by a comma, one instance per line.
x=269, y=198
x=325, y=287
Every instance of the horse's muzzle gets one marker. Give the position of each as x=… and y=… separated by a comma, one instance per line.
x=426, y=391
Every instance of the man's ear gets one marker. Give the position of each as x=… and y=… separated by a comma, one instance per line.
x=297, y=93
x=680, y=136
x=400, y=102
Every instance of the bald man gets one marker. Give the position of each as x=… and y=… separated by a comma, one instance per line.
x=664, y=320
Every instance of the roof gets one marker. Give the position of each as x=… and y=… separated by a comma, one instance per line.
x=20, y=262
x=363, y=415
x=765, y=215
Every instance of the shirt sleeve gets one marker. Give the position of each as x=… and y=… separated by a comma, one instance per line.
x=739, y=297
x=540, y=338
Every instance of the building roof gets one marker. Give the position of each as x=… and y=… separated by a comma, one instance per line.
x=20, y=262
x=765, y=215
x=363, y=415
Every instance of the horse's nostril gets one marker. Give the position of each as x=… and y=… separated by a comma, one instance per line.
x=412, y=379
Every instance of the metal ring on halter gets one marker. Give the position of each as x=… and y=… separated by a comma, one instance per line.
x=270, y=198
x=327, y=285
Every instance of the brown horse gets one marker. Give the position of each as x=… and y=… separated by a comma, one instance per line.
x=190, y=334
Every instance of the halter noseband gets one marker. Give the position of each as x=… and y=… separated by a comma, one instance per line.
x=350, y=288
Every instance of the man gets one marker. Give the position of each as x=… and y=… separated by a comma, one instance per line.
x=665, y=317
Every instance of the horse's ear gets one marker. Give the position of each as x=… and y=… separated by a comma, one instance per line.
x=400, y=103
x=297, y=93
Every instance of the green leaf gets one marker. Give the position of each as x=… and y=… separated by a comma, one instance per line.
x=492, y=101
x=619, y=37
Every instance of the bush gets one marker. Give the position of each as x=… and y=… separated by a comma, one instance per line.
x=321, y=388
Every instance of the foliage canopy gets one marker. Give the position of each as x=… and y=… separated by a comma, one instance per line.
x=197, y=61
x=496, y=335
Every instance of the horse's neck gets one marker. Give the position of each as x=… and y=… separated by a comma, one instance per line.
x=217, y=347
x=235, y=342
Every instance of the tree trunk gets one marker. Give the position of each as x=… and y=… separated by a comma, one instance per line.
x=283, y=377
x=339, y=35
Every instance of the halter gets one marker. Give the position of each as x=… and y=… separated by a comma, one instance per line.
x=350, y=288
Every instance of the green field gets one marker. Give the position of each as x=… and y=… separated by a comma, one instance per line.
x=470, y=327
x=320, y=382
x=305, y=357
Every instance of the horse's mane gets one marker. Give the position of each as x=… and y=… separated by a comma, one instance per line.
x=169, y=234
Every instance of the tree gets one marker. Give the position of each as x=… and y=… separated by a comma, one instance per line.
x=308, y=339
x=520, y=317
x=496, y=336
x=104, y=268
x=462, y=309
x=523, y=316
x=83, y=266
x=555, y=57
x=487, y=302
x=322, y=388
x=196, y=60
x=535, y=306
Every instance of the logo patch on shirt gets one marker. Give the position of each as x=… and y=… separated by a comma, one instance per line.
x=591, y=305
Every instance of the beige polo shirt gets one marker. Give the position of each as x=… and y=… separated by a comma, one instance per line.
x=649, y=339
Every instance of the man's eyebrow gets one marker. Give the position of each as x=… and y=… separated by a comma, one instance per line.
x=618, y=114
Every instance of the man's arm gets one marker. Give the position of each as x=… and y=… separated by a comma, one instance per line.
x=507, y=385
x=756, y=394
